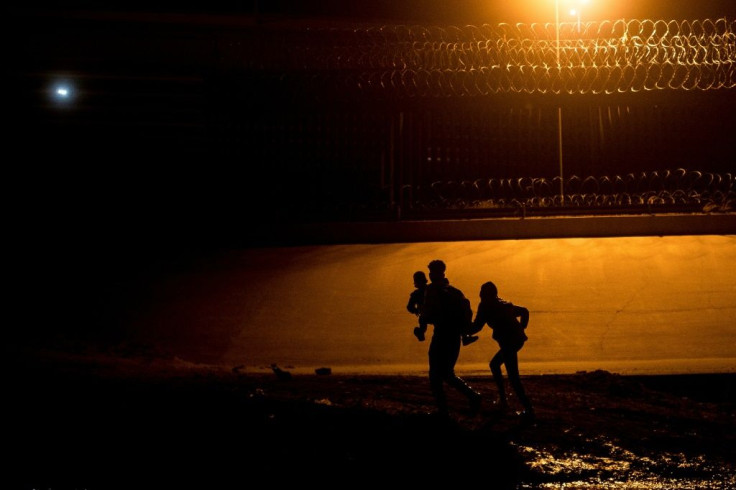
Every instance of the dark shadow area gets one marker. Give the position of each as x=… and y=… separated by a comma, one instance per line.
x=78, y=425
x=75, y=429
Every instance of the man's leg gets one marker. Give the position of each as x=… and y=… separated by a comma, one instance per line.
x=474, y=398
x=435, y=383
x=437, y=374
x=457, y=382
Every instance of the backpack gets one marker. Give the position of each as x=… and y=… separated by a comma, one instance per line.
x=457, y=307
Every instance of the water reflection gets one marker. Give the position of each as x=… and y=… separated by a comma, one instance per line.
x=620, y=468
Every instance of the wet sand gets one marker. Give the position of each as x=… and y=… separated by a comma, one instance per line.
x=133, y=423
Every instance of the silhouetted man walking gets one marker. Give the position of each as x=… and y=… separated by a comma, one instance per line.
x=444, y=347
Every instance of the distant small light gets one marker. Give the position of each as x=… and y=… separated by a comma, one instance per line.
x=62, y=93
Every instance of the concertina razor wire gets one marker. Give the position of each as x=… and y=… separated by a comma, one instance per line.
x=602, y=57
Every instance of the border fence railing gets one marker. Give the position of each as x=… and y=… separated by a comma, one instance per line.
x=398, y=121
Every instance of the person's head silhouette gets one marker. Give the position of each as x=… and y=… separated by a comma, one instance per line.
x=420, y=279
x=488, y=291
x=436, y=270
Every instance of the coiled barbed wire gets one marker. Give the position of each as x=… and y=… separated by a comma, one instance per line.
x=622, y=56
x=664, y=189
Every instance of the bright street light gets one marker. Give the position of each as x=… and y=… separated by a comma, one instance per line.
x=575, y=12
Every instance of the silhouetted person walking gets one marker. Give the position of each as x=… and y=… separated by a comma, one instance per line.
x=448, y=330
x=416, y=301
x=416, y=297
x=508, y=322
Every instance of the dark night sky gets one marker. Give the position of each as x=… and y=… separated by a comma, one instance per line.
x=452, y=11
